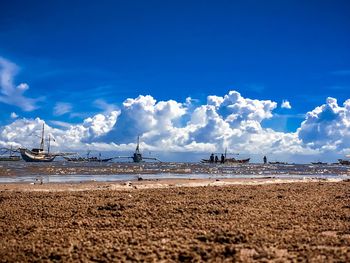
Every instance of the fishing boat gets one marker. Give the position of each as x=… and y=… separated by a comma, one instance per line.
x=8, y=158
x=318, y=163
x=278, y=163
x=344, y=162
x=77, y=158
x=233, y=160
x=38, y=154
x=227, y=161
x=137, y=157
x=81, y=159
x=224, y=159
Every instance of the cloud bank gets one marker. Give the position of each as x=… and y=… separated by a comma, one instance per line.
x=230, y=121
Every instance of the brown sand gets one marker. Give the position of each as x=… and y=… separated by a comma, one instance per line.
x=116, y=222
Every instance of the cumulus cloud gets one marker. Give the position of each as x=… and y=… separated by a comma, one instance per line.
x=230, y=121
x=62, y=108
x=145, y=116
x=9, y=92
x=24, y=132
x=286, y=104
x=327, y=126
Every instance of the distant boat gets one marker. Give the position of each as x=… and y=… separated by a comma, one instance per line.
x=225, y=160
x=318, y=163
x=87, y=159
x=9, y=158
x=278, y=163
x=81, y=159
x=344, y=162
x=233, y=160
x=38, y=154
x=137, y=156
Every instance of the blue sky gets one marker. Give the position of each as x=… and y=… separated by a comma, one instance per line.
x=79, y=51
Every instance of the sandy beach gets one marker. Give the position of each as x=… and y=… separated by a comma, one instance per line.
x=176, y=220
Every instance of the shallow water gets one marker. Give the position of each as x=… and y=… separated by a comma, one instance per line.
x=65, y=172
x=133, y=177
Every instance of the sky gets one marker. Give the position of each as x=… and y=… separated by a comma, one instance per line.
x=258, y=77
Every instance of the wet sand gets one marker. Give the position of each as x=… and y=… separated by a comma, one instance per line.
x=242, y=220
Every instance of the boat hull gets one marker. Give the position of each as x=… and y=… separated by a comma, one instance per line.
x=91, y=159
x=344, y=162
x=10, y=158
x=30, y=156
x=228, y=161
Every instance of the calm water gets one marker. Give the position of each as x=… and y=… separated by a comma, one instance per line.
x=32, y=172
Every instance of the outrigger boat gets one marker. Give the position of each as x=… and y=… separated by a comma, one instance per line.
x=39, y=154
x=226, y=160
x=278, y=162
x=82, y=159
x=78, y=158
x=9, y=158
x=319, y=163
x=344, y=161
x=233, y=160
x=137, y=156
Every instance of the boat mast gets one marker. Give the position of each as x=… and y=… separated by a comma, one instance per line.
x=138, y=145
x=48, y=146
x=42, y=139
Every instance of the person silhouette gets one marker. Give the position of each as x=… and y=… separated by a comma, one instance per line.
x=222, y=158
x=265, y=160
x=211, y=158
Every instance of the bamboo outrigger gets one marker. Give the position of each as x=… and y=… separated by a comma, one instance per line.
x=39, y=154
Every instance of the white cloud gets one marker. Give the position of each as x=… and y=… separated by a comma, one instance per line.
x=230, y=121
x=327, y=127
x=62, y=124
x=106, y=107
x=13, y=115
x=62, y=108
x=286, y=104
x=9, y=92
x=24, y=132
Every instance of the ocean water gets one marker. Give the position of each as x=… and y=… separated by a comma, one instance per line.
x=68, y=172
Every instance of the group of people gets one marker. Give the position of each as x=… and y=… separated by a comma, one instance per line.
x=215, y=159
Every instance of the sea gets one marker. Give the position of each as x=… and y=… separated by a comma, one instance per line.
x=76, y=172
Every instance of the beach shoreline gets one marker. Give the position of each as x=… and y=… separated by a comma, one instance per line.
x=176, y=220
x=153, y=184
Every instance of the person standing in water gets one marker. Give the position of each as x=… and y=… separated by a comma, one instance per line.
x=211, y=158
x=265, y=159
x=216, y=159
x=222, y=158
